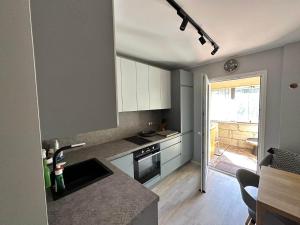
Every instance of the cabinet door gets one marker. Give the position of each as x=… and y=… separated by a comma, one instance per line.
x=170, y=153
x=154, y=87
x=142, y=86
x=187, y=108
x=125, y=164
x=165, y=77
x=75, y=66
x=119, y=84
x=187, y=147
x=129, y=95
x=170, y=166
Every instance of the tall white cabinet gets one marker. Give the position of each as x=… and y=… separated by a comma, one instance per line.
x=142, y=87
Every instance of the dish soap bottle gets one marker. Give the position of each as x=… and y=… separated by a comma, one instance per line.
x=47, y=178
x=59, y=178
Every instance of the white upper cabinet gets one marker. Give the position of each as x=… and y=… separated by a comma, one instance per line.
x=119, y=84
x=165, y=91
x=129, y=85
x=142, y=86
x=154, y=87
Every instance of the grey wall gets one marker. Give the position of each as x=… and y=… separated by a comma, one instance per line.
x=22, y=196
x=290, y=99
x=130, y=124
x=270, y=61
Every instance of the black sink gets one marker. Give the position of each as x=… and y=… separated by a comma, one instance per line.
x=80, y=175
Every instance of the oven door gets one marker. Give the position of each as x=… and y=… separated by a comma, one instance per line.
x=147, y=167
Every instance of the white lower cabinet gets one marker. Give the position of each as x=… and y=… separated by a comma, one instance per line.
x=125, y=164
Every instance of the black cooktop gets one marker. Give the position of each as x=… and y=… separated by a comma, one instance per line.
x=137, y=140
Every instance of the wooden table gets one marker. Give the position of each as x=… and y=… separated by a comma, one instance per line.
x=279, y=193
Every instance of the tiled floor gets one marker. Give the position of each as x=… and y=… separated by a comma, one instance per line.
x=230, y=158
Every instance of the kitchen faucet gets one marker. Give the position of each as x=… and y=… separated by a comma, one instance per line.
x=63, y=149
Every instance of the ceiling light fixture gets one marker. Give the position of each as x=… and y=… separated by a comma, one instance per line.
x=216, y=48
x=202, y=40
x=184, y=24
x=187, y=19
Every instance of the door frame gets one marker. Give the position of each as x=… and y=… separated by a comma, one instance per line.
x=262, y=104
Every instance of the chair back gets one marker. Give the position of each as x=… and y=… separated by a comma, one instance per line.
x=247, y=178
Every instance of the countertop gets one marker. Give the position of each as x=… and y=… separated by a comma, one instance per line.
x=114, y=200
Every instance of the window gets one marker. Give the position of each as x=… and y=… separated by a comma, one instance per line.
x=239, y=104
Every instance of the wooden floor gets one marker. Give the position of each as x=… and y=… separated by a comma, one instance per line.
x=182, y=204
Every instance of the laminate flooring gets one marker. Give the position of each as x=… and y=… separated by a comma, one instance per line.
x=181, y=203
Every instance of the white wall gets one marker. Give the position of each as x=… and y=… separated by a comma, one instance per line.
x=270, y=61
x=22, y=195
x=290, y=99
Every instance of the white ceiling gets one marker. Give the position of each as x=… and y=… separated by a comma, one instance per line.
x=149, y=29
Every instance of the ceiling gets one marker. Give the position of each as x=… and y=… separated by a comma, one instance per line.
x=149, y=29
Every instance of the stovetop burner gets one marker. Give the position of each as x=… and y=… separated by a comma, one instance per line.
x=137, y=140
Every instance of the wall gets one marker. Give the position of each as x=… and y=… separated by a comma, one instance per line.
x=290, y=99
x=130, y=124
x=272, y=62
x=236, y=134
x=22, y=198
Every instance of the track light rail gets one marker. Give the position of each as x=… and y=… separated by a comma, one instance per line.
x=187, y=19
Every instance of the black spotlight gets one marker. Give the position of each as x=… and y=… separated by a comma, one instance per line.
x=216, y=48
x=184, y=24
x=202, y=40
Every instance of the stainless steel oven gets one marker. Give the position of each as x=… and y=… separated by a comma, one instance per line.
x=147, y=163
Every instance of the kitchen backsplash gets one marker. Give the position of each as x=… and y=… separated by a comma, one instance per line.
x=130, y=123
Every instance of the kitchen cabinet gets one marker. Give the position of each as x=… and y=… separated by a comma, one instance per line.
x=129, y=85
x=119, y=84
x=170, y=156
x=75, y=66
x=165, y=89
x=187, y=147
x=170, y=166
x=125, y=164
x=154, y=88
x=142, y=86
x=186, y=108
x=180, y=116
x=170, y=153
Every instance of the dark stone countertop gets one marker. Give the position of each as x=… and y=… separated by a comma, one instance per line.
x=114, y=200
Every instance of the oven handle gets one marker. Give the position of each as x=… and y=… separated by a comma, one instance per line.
x=142, y=159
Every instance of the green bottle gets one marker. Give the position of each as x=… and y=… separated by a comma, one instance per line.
x=47, y=178
x=59, y=178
